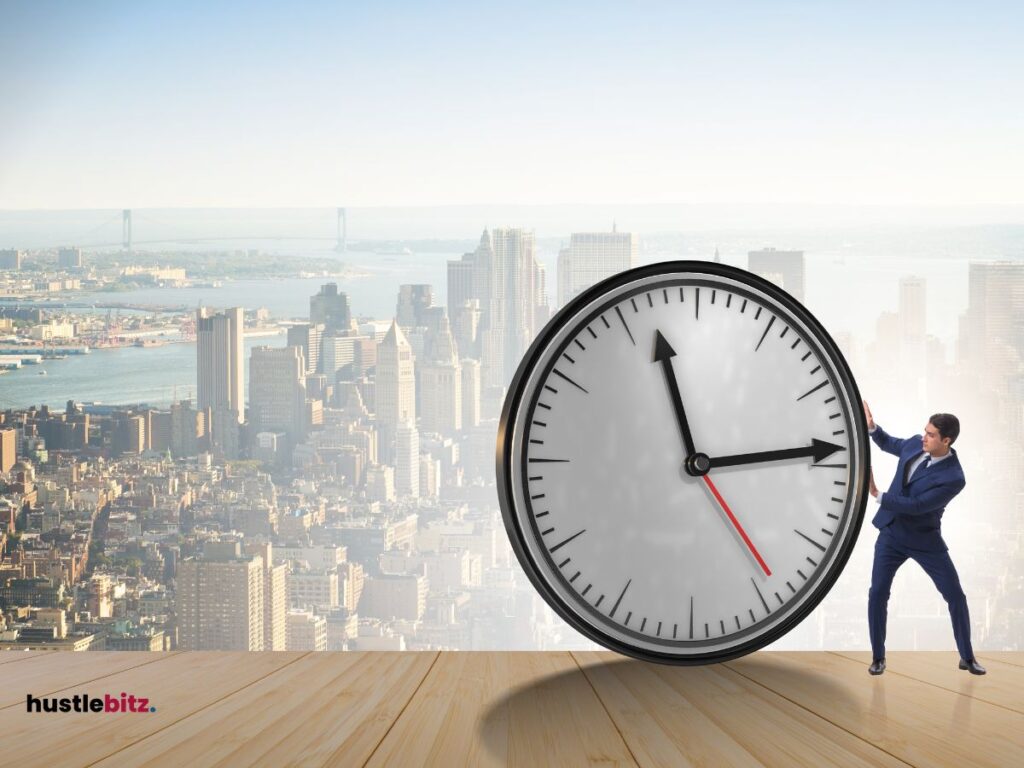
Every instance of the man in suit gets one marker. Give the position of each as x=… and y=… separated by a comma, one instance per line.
x=909, y=521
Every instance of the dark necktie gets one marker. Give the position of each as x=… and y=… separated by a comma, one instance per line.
x=923, y=465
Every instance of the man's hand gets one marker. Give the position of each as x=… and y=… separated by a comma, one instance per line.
x=872, y=487
x=868, y=416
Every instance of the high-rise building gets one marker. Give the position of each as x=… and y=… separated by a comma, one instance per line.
x=517, y=304
x=277, y=391
x=912, y=341
x=307, y=336
x=275, y=596
x=219, y=600
x=440, y=383
x=590, y=258
x=306, y=631
x=69, y=258
x=221, y=373
x=995, y=320
x=8, y=448
x=407, y=461
x=395, y=390
x=784, y=268
x=330, y=309
x=413, y=301
x=470, y=393
x=11, y=259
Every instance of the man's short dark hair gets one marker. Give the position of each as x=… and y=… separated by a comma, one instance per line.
x=947, y=424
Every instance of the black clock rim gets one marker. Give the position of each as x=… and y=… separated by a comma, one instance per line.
x=504, y=458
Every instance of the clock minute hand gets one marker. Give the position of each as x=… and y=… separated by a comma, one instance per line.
x=818, y=449
x=663, y=353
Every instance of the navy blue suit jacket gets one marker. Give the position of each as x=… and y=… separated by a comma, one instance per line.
x=912, y=512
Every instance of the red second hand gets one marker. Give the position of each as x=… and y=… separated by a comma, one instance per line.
x=737, y=526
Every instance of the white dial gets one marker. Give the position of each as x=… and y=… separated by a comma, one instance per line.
x=683, y=462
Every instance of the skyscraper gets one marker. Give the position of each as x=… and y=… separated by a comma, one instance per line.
x=277, y=391
x=275, y=596
x=413, y=301
x=995, y=319
x=219, y=600
x=219, y=345
x=330, y=308
x=307, y=336
x=590, y=258
x=69, y=258
x=395, y=388
x=440, y=383
x=407, y=461
x=784, y=268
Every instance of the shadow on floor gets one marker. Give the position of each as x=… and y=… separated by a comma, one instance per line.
x=617, y=686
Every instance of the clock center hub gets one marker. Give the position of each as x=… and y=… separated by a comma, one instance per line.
x=697, y=465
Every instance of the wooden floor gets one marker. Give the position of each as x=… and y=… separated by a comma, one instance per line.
x=528, y=709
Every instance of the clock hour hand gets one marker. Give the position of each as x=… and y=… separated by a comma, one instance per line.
x=663, y=353
x=818, y=450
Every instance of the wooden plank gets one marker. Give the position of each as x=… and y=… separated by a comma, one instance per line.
x=916, y=722
x=1004, y=657
x=177, y=685
x=1003, y=685
x=6, y=657
x=328, y=708
x=713, y=716
x=66, y=670
x=495, y=709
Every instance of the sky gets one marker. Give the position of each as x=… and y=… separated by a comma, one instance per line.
x=111, y=105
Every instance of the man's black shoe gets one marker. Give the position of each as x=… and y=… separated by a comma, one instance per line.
x=878, y=667
x=972, y=666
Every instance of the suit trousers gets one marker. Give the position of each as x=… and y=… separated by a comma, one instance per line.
x=889, y=556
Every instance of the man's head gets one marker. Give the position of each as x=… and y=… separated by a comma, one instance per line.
x=940, y=433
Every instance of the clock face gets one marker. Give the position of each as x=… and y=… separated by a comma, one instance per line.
x=683, y=462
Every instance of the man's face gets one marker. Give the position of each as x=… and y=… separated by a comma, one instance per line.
x=933, y=443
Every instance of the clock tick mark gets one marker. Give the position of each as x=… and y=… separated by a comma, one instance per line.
x=697, y=307
x=541, y=514
x=738, y=619
x=778, y=597
x=751, y=611
x=567, y=357
x=728, y=301
x=664, y=294
x=598, y=603
x=808, y=538
x=633, y=302
x=562, y=375
x=675, y=631
x=838, y=482
x=834, y=517
x=605, y=321
x=811, y=562
x=565, y=562
x=580, y=344
x=681, y=299
x=628, y=617
x=619, y=313
x=621, y=595
x=815, y=370
x=829, y=400
x=784, y=332
x=837, y=500
x=545, y=406
x=838, y=432
x=538, y=496
x=650, y=301
x=549, y=388
x=791, y=589
x=769, y=610
x=691, y=619
x=591, y=331
x=812, y=390
x=827, y=532
x=801, y=574
x=658, y=633
x=768, y=328
x=713, y=293
x=548, y=461
x=537, y=477
x=537, y=442
x=795, y=343
x=563, y=543
x=584, y=592
x=805, y=357
x=757, y=316
x=545, y=533
x=744, y=307
x=834, y=416
x=539, y=423
x=575, y=576
x=721, y=625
